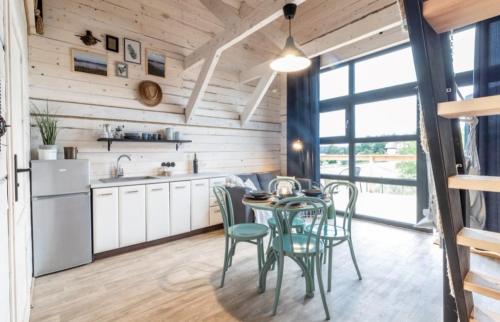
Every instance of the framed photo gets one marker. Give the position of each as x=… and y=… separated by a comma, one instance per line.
x=88, y=62
x=121, y=70
x=155, y=63
x=131, y=51
x=112, y=43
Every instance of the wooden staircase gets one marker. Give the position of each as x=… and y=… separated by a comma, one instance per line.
x=428, y=25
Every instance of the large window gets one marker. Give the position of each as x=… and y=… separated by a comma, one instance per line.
x=369, y=131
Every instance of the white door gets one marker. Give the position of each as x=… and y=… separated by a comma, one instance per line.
x=105, y=219
x=180, y=209
x=132, y=215
x=200, y=204
x=157, y=211
x=4, y=221
x=17, y=115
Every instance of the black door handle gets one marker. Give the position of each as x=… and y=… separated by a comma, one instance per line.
x=16, y=182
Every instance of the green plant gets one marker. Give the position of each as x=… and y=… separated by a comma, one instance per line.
x=47, y=124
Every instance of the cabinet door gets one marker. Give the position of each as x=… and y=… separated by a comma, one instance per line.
x=157, y=211
x=105, y=219
x=200, y=204
x=215, y=215
x=132, y=215
x=180, y=208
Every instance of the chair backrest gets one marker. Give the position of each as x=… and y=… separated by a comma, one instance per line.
x=273, y=184
x=332, y=189
x=284, y=213
x=225, y=205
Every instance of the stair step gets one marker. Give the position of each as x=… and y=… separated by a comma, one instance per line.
x=483, y=106
x=480, y=239
x=482, y=284
x=483, y=315
x=470, y=182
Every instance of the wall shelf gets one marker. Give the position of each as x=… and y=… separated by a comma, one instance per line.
x=177, y=142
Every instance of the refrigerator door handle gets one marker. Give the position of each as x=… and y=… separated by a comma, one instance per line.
x=16, y=182
x=61, y=196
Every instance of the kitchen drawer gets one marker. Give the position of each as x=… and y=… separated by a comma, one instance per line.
x=180, y=207
x=132, y=218
x=157, y=211
x=105, y=219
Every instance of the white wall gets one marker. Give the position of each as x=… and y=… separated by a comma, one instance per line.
x=85, y=102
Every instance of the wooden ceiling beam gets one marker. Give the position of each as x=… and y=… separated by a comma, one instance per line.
x=377, y=22
x=257, y=96
x=227, y=14
x=210, y=52
x=447, y=15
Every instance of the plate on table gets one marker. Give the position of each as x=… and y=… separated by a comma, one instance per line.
x=257, y=195
x=313, y=193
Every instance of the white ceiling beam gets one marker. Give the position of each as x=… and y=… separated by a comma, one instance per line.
x=206, y=73
x=256, y=20
x=372, y=24
x=210, y=52
x=257, y=96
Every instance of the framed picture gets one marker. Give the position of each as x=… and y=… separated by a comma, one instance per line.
x=155, y=63
x=88, y=62
x=112, y=43
x=121, y=70
x=131, y=51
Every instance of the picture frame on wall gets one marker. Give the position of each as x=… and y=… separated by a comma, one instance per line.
x=155, y=63
x=131, y=51
x=112, y=43
x=84, y=61
x=121, y=69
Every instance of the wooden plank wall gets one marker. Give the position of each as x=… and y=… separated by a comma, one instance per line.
x=85, y=102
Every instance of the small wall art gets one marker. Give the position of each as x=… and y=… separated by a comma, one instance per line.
x=132, y=51
x=155, y=63
x=89, y=62
x=121, y=70
x=112, y=43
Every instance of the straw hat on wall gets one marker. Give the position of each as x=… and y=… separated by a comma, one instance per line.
x=150, y=93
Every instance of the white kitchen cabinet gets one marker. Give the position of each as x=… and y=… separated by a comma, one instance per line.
x=180, y=207
x=157, y=211
x=200, y=204
x=215, y=215
x=132, y=215
x=105, y=219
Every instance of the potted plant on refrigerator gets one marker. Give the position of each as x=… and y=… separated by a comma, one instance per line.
x=47, y=124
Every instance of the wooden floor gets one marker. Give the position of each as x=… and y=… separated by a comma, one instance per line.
x=179, y=282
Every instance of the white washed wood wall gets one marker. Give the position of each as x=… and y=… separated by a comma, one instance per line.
x=85, y=102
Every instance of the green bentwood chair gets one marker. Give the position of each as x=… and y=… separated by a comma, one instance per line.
x=304, y=248
x=298, y=221
x=335, y=234
x=250, y=233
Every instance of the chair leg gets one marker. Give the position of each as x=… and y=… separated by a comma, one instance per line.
x=226, y=260
x=281, y=264
x=271, y=257
x=321, y=287
x=312, y=261
x=231, y=252
x=259, y=253
x=273, y=234
x=354, y=258
x=330, y=260
x=324, y=253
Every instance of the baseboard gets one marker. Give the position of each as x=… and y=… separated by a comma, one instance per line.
x=135, y=247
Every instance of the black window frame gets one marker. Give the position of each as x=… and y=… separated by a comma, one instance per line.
x=349, y=102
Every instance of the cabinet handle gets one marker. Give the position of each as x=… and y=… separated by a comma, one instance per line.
x=199, y=184
x=132, y=191
x=157, y=189
x=180, y=187
x=105, y=194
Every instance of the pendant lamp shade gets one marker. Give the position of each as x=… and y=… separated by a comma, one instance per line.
x=292, y=58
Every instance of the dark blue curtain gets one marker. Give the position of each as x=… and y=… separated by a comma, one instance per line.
x=487, y=83
x=303, y=122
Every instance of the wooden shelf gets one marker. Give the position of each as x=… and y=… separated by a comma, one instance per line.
x=447, y=15
x=483, y=106
x=479, y=239
x=482, y=284
x=470, y=182
x=177, y=142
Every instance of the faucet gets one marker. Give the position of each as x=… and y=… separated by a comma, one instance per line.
x=119, y=170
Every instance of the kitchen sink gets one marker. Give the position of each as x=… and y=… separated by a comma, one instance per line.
x=125, y=179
